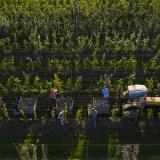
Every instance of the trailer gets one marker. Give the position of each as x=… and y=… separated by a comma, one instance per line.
x=152, y=101
x=148, y=102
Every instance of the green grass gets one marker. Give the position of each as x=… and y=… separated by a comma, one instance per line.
x=62, y=144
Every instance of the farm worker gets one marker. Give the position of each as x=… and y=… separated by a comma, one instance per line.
x=16, y=108
x=125, y=94
x=61, y=117
x=94, y=115
x=52, y=95
x=143, y=103
x=105, y=92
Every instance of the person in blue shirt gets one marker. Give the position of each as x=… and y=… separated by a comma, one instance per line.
x=105, y=92
x=94, y=116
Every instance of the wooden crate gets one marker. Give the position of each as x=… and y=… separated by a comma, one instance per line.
x=101, y=105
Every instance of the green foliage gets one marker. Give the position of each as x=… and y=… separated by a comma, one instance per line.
x=7, y=64
x=53, y=114
x=79, y=114
x=57, y=83
x=119, y=85
x=150, y=84
x=115, y=113
x=14, y=84
x=103, y=61
x=26, y=82
x=77, y=84
x=95, y=63
x=23, y=116
x=69, y=86
x=4, y=112
x=79, y=150
x=113, y=140
x=130, y=79
x=149, y=113
x=40, y=38
x=37, y=86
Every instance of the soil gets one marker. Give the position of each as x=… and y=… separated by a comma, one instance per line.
x=104, y=126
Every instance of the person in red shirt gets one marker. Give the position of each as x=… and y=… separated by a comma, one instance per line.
x=53, y=95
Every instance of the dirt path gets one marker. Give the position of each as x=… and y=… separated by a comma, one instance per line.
x=83, y=126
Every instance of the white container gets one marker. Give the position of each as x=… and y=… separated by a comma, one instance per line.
x=137, y=91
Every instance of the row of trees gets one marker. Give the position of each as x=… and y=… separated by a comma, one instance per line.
x=34, y=32
x=135, y=44
x=68, y=85
x=63, y=26
x=93, y=63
